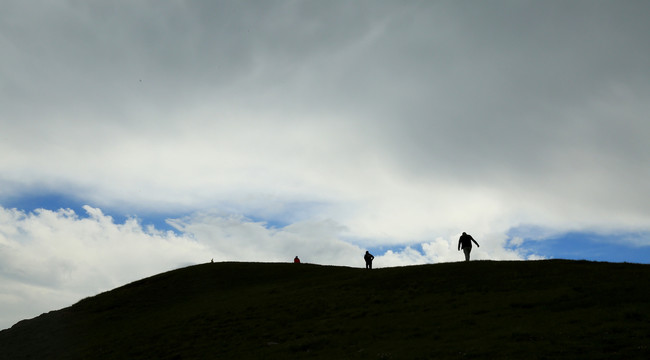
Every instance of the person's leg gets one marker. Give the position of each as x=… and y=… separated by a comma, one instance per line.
x=467, y=250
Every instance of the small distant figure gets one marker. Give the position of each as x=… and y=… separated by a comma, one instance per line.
x=296, y=260
x=369, y=258
x=465, y=242
x=212, y=261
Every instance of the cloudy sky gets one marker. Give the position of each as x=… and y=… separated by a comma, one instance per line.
x=142, y=136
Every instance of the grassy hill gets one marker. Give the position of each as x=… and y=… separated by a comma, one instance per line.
x=499, y=310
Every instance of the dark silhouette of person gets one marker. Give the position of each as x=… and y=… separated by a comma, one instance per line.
x=369, y=258
x=296, y=260
x=465, y=242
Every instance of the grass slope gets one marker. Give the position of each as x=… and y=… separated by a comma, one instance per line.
x=534, y=310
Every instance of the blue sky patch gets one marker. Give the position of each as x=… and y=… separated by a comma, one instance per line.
x=54, y=202
x=589, y=246
x=48, y=201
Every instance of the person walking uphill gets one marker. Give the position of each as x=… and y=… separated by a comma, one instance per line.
x=465, y=241
x=369, y=258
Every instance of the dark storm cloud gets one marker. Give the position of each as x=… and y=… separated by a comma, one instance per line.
x=540, y=103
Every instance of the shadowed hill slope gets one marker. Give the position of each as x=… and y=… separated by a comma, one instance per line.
x=535, y=310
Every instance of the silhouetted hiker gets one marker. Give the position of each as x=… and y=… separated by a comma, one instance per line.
x=296, y=260
x=369, y=258
x=465, y=241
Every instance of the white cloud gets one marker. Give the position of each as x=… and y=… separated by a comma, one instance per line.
x=233, y=237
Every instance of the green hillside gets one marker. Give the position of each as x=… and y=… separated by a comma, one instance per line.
x=487, y=310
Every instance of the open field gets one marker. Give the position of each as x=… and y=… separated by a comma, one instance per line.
x=551, y=309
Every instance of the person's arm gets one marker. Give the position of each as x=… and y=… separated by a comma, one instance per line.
x=477, y=245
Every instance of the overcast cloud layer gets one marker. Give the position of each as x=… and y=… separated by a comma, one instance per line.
x=322, y=128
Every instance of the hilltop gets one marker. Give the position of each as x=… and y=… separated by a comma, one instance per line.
x=550, y=309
